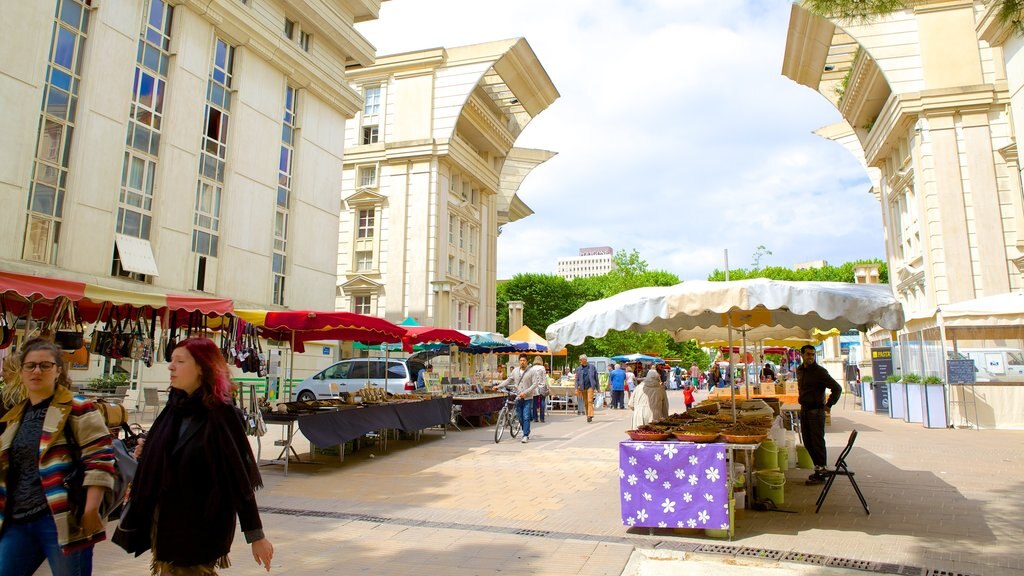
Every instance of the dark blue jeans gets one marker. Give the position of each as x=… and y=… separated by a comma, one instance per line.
x=525, y=410
x=24, y=547
x=540, y=404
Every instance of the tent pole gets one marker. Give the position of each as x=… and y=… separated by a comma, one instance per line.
x=291, y=366
x=728, y=323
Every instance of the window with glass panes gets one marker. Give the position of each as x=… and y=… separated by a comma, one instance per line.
x=212, y=159
x=362, y=304
x=367, y=176
x=285, y=168
x=145, y=122
x=366, y=223
x=49, y=175
x=364, y=260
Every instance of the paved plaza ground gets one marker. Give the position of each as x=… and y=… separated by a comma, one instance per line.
x=942, y=502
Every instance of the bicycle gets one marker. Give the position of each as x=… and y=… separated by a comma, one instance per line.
x=508, y=417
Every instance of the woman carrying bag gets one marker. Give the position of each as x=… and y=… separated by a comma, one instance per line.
x=52, y=441
x=196, y=473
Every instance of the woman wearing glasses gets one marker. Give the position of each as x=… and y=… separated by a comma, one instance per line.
x=196, y=474
x=47, y=429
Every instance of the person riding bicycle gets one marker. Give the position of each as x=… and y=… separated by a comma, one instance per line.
x=523, y=380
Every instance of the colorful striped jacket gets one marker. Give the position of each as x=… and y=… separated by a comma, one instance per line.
x=55, y=459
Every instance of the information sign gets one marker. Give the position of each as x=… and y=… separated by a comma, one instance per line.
x=960, y=371
x=881, y=368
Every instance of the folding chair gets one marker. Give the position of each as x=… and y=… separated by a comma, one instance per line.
x=151, y=397
x=841, y=470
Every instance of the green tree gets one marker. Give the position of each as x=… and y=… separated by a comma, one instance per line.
x=546, y=298
x=841, y=273
x=1008, y=11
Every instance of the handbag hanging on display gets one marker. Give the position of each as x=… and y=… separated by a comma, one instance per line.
x=6, y=330
x=172, y=339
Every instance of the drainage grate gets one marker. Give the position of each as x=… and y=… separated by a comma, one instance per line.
x=374, y=519
x=540, y=533
x=718, y=549
x=817, y=559
x=680, y=545
x=760, y=553
x=852, y=564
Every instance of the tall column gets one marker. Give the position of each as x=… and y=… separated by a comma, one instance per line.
x=515, y=315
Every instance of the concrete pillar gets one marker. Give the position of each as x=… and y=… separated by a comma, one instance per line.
x=515, y=315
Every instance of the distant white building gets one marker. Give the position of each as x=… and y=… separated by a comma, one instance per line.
x=596, y=261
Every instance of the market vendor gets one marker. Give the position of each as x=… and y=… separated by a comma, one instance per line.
x=812, y=380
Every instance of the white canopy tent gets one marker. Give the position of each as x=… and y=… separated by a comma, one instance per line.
x=759, y=308
x=704, y=310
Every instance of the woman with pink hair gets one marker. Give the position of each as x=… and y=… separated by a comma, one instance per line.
x=196, y=473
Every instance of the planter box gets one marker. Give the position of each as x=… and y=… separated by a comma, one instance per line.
x=867, y=397
x=933, y=398
x=915, y=402
x=897, y=400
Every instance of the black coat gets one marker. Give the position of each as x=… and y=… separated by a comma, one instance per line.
x=201, y=494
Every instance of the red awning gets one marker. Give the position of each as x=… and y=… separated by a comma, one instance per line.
x=424, y=334
x=22, y=292
x=300, y=326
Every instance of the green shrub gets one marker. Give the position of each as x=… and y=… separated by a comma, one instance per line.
x=912, y=378
x=867, y=379
x=932, y=380
x=109, y=381
x=891, y=378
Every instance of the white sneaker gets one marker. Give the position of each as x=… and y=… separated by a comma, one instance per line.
x=526, y=439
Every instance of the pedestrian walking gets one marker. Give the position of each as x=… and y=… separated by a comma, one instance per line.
x=586, y=385
x=540, y=399
x=196, y=473
x=617, y=383
x=650, y=400
x=50, y=432
x=630, y=381
x=694, y=375
x=522, y=381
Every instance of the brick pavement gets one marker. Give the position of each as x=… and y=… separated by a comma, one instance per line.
x=940, y=499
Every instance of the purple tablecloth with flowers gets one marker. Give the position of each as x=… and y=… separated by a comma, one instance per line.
x=674, y=485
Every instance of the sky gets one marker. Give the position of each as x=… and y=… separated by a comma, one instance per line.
x=677, y=134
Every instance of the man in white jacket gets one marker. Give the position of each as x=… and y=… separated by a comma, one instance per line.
x=525, y=381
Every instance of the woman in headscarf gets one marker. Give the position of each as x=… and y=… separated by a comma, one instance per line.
x=196, y=474
x=49, y=433
x=650, y=400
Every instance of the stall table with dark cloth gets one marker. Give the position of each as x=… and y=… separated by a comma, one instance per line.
x=288, y=421
x=674, y=485
x=338, y=427
x=478, y=405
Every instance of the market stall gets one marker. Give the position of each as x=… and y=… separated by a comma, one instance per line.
x=709, y=311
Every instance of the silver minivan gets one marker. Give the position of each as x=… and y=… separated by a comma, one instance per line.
x=353, y=374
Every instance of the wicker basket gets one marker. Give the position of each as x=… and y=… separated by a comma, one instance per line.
x=696, y=437
x=729, y=438
x=647, y=436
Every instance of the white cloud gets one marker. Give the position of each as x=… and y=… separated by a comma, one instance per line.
x=676, y=133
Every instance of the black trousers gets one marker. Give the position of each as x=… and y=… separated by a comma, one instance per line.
x=618, y=397
x=812, y=428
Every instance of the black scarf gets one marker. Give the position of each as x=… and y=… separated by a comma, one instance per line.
x=227, y=453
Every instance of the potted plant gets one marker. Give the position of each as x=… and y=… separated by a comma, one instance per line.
x=897, y=396
x=933, y=398
x=912, y=388
x=109, y=382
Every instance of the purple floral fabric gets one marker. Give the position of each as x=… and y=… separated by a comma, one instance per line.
x=673, y=485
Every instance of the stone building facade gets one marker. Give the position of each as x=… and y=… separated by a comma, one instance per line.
x=430, y=176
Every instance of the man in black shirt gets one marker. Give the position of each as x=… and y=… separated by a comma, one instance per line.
x=812, y=380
